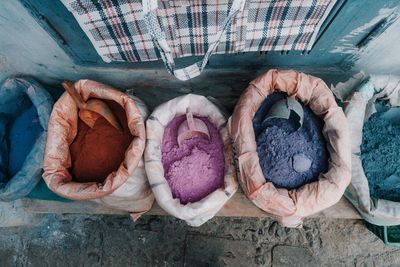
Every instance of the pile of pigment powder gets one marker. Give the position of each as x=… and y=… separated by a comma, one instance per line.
x=195, y=169
x=96, y=152
x=380, y=150
x=3, y=150
x=290, y=158
x=23, y=133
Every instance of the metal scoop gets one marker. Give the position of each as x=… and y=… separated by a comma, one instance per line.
x=92, y=110
x=287, y=108
x=192, y=127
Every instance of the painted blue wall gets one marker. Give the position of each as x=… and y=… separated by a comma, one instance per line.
x=382, y=56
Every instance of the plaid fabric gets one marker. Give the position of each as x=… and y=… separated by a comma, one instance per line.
x=118, y=31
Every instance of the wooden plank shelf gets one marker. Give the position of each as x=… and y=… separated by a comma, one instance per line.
x=238, y=206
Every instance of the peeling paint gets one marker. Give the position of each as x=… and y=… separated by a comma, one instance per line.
x=382, y=55
x=346, y=45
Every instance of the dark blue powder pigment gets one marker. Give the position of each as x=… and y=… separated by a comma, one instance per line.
x=380, y=150
x=3, y=150
x=290, y=158
x=23, y=133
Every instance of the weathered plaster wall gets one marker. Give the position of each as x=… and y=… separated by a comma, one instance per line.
x=28, y=48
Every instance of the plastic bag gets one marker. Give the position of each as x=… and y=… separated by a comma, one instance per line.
x=16, y=97
x=358, y=108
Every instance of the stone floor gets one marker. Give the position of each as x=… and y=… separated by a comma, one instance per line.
x=76, y=240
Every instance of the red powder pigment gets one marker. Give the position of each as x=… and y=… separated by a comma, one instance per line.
x=96, y=152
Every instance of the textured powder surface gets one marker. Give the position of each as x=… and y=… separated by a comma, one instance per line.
x=380, y=150
x=24, y=131
x=290, y=158
x=96, y=152
x=195, y=169
x=3, y=150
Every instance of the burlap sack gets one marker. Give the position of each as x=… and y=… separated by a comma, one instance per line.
x=359, y=107
x=195, y=214
x=125, y=189
x=289, y=207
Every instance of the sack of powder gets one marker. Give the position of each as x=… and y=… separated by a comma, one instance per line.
x=374, y=149
x=125, y=187
x=289, y=207
x=25, y=108
x=192, y=181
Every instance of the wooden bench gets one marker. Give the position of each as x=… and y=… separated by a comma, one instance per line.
x=238, y=206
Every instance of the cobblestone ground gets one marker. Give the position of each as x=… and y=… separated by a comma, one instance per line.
x=75, y=240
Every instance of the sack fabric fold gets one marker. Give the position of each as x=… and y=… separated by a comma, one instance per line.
x=148, y=30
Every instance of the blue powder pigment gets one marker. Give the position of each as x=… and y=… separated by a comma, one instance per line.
x=3, y=150
x=24, y=131
x=290, y=158
x=380, y=149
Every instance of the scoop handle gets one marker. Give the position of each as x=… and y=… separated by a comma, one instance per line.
x=189, y=118
x=70, y=88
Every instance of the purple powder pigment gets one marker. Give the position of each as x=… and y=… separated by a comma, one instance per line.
x=290, y=158
x=195, y=169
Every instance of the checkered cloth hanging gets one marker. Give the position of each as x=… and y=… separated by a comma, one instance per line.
x=118, y=29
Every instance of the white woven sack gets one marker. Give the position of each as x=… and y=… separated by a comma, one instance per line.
x=359, y=107
x=195, y=214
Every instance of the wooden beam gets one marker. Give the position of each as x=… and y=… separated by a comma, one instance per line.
x=238, y=206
